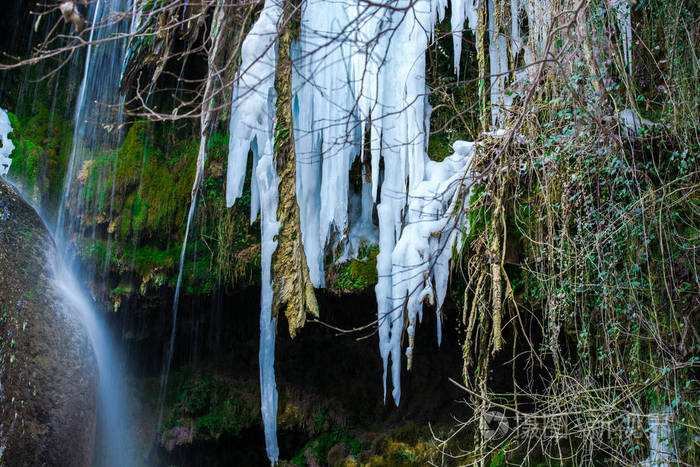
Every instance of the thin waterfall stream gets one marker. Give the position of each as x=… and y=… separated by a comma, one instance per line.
x=176, y=300
x=94, y=117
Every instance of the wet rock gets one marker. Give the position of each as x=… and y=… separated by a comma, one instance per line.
x=48, y=374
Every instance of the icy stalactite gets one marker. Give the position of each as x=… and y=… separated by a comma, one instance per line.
x=7, y=145
x=323, y=100
x=267, y=184
x=461, y=10
x=359, y=82
x=252, y=111
x=539, y=19
x=420, y=260
x=515, y=41
x=308, y=172
x=624, y=18
x=252, y=122
x=402, y=122
x=333, y=137
x=498, y=65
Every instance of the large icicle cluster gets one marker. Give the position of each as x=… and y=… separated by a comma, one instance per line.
x=7, y=145
x=358, y=84
x=420, y=260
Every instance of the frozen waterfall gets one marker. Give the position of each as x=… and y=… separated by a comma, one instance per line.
x=359, y=91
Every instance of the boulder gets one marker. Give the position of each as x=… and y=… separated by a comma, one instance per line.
x=48, y=372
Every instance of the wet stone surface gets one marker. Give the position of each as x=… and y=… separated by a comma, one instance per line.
x=48, y=375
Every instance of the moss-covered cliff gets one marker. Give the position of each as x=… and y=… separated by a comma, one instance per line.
x=48, y=375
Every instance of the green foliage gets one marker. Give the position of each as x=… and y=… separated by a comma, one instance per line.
x=214, y=406
x=357, y=275
x=331, y=434
x=150, y=177
x=42, y=148
x=598, y=226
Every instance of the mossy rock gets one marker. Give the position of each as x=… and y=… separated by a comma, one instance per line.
x=355, y=275
x=48, y=375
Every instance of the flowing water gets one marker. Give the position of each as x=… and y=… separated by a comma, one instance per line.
x=114, y=447
x=98, y=112
x=98, y=115
x=176, y=302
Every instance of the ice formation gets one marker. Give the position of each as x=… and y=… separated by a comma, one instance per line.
x=662, y=452
x=420, y=260
x=7, y=145
x=624, y=18
x=252, y=119
x=359, y=91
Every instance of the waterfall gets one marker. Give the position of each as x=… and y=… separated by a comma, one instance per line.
x=98, y=111
x=114, y=449
x=98, y=115
x=176, y=301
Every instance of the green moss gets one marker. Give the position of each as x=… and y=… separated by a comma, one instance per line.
x=121, y=289
x=330, y=434
x=139, y=195
x=357, y=275
x=42, y=147
x=214, y=406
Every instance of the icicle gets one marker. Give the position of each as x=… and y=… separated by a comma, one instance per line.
x=461, y=10
x=539, y=17
x=515, y=42
x=457, y=22
x=359, y=68
x=498, y=60
x=252, y=110
x=252, y=116
x=624, y=19
x=308, y=159
x=420, y=260
x=403, y=150
x=7, y=145
x=327, y=45
x=267, y=183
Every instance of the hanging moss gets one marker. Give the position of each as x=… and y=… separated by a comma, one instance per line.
x=292, y=285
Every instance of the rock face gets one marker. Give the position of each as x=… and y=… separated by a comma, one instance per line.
x=48, y=374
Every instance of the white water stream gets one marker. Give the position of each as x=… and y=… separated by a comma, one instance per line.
x=97, y=114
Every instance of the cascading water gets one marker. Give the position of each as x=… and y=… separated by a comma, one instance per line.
x=114, y=449
x=98, y=110
x=97, y=118
x=176, y=301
